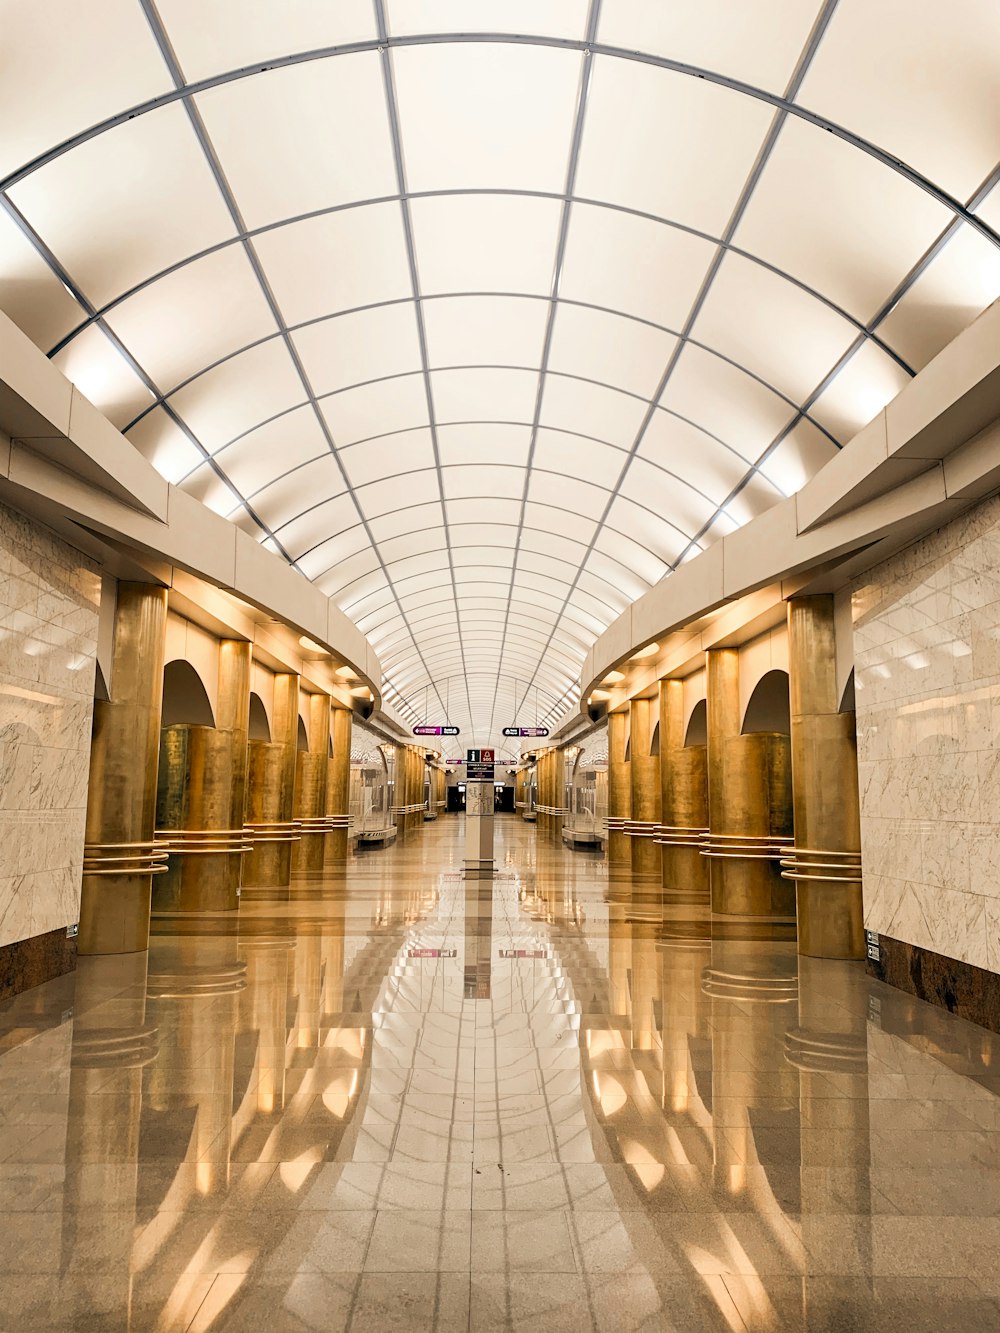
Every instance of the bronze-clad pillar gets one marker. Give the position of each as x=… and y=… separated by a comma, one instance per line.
x=619, y=794
x=271, y=791
x=311, y=770
x=749, y=800
x=338, y=788
x=120, y=857
x=683, y=797
x=644, y=781
x=200, y=797
x=826, y=863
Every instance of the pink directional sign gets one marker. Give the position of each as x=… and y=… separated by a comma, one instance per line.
x=435, y=731
x=525, y=731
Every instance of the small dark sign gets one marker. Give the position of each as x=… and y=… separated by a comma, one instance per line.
x=872, y=946
x=480, y=756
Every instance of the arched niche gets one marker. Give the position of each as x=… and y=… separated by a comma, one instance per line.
x=259, y=728
x=302, y=736
x=101, y=686
x=847, y=701
x=768, y=709
x=185, y=699
x=697, y=727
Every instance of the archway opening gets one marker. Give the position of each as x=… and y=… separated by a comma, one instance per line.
x=697, y=727
x=259, y=728
x=185, y=699
x=768, y=709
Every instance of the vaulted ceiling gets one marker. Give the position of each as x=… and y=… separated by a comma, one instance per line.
x=486, y=314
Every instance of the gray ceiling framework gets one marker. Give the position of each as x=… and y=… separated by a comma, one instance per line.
x=481, y=338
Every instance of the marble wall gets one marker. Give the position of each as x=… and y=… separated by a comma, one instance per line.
x=927, y=655
x=49, y=605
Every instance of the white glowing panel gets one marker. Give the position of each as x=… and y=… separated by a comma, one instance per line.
x=633, y=264
x=32, y=295
x=408, y=452
x=590, y=410
x=486, y=116
x=816, y=196
x=373, y=410
x=609, y=349
x=946, y=131
x=868, y=381
x=485, y=395
x=67, y=75
x=799, y=456
x=487, y=331
x=358, y=348
x=667, y=144
x=338, y=261
x=162, y=442
x=726, y=402
x=102, y=374
x=957, y=285
x=771, y=327
x=757, y=43
x=482, y=442
x=128, y=203
x=229, y=34
x=242, y=393
x=282, y=445
x=556, y=18
x=303, y=138
x=195, y=316
x=485, y=243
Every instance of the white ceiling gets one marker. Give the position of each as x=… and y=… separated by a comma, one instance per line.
x=488, y=313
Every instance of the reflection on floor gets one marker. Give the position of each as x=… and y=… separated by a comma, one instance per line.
x=404, y=1101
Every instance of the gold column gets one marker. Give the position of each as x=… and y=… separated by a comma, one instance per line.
x=749, y=802
x=619, y=794
x=233, y=717
x=119, y=856
x=200, y=797
x=826, y=863
x=311, y=770
x=271, y=792
x=338, y=787
x=683, y=797
x=644, y=780
x=542, y=792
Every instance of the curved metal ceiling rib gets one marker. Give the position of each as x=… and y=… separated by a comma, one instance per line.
x=488, y=330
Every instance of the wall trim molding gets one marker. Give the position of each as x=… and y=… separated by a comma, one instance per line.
x=31, y=962
x=969, y=992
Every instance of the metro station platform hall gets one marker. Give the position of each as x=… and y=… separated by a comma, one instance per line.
x=500, y=666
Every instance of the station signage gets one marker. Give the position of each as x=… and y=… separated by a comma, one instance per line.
x=479, y=772
x=435, y=731
x=480, y=756
x=526, y=731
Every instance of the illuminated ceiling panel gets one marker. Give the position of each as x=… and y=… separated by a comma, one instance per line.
x=488, y=314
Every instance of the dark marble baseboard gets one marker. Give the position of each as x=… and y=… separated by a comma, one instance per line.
x=28, y=963
x=969, y=992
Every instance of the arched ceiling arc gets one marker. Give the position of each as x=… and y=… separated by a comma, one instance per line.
x=487, y=331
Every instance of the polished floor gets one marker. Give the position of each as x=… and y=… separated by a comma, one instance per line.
x=401, y=1100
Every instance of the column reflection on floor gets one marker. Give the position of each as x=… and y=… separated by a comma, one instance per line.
x=392, y=1097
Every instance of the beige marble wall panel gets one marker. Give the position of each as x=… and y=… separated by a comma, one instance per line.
x=927, y=659
x=49, y=607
